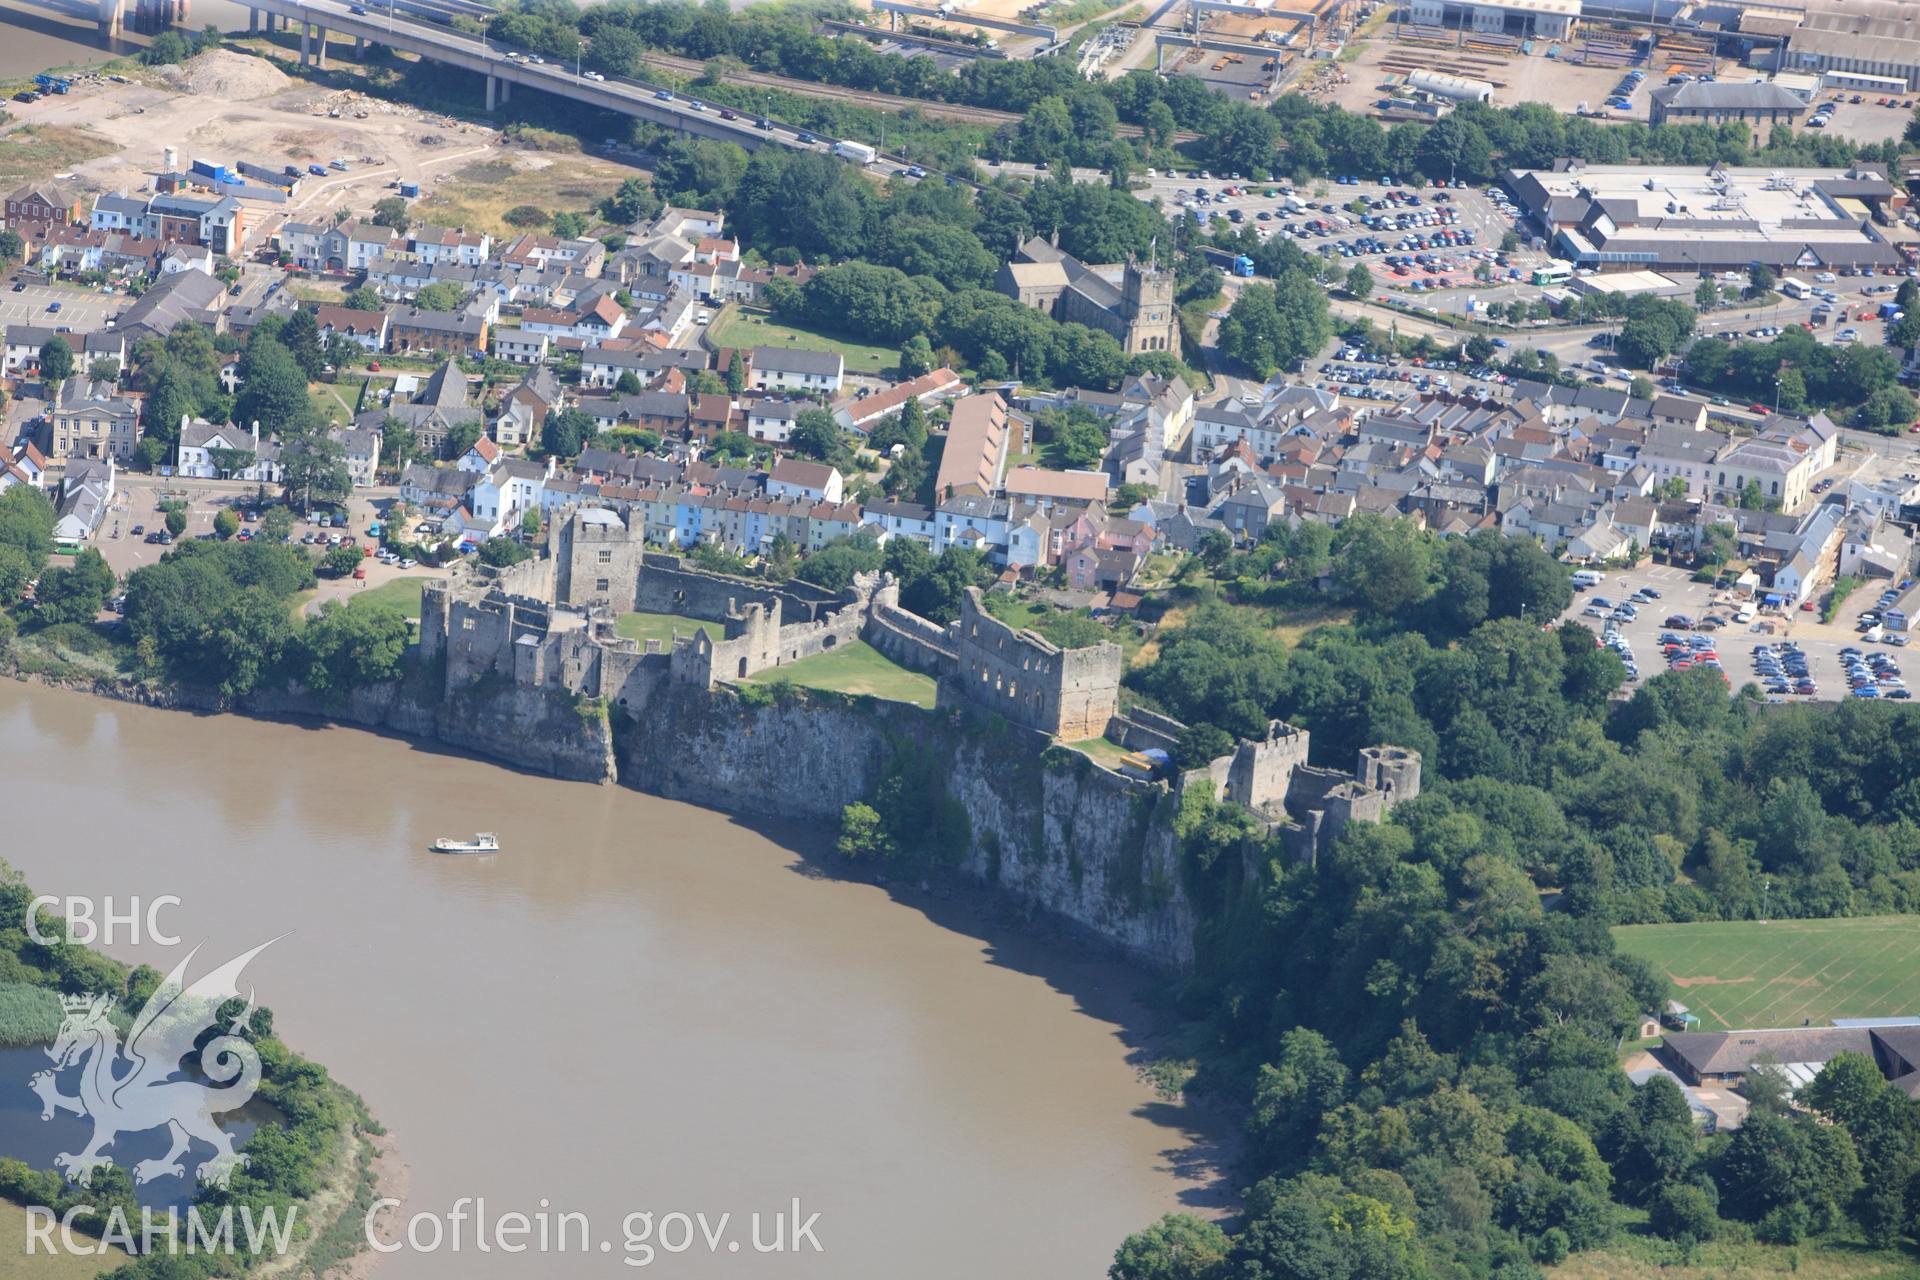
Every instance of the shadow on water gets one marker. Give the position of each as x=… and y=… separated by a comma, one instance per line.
x=1104, y=984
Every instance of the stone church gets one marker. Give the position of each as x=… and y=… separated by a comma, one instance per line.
x=1132, y=302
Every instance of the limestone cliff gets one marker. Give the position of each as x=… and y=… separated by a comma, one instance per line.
x=1046, y=825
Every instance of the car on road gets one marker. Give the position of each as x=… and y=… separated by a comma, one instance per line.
x=593, y=75
x=358, y=10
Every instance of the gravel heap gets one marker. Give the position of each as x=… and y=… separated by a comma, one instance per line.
x=226, y=74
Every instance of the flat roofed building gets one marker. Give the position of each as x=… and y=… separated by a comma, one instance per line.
x=1693, y=220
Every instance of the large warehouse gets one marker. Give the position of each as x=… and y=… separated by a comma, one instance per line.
x=1545, y=19
x=1692, y=220
x=1867, y=40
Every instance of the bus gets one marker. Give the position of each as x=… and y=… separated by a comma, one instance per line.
x=1554, y=272
x=1796, y=288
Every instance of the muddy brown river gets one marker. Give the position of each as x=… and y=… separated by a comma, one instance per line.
x=639, y=1007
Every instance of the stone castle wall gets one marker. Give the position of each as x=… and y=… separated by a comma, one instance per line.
x=1069, y=693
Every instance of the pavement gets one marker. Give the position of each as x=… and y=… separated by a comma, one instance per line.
x=81, y=309
x=1735, y=643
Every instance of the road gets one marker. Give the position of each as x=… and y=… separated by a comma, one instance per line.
x=505, y=68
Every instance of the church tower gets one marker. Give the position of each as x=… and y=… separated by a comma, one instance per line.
x=1146, y=306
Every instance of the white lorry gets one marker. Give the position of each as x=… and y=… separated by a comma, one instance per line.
x=858, y=152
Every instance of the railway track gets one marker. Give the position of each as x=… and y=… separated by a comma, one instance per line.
x=988, y=116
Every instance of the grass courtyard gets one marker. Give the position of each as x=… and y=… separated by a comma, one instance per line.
x=661, y=626
x=855, y=668
x=736, y=327
x=1745, y=974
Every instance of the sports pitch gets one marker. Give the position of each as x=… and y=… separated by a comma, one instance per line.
x=1786, y=973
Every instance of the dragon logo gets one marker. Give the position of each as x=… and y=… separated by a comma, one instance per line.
x=141, y=1086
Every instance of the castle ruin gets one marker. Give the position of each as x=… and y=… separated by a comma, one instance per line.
x=549, y=623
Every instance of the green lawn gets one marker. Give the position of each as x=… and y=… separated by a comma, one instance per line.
x=1107, y=753
x=60, y=1265
x=855, y=668
x=1746, y=974
x=401, y=595
x=661, y=626
x=737, y=327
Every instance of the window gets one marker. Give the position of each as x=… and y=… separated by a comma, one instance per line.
x=599, y=584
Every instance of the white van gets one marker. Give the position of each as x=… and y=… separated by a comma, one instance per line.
x=1588, y=578
x=1746, y=612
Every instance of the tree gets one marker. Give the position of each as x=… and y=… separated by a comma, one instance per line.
x=442, y=295
x=1178, y=1247
x=347, y=649
x=226, y=523
x=26, y=524
x=1383, y=566
x=1888, y=410
x=15, y=573
x=56, y=360
x=1760, y=280
x=364, y=298
x=313, y=466
x=176, y=521
x=736, y=374
x=1706, y=294
x=1642, y=387
x=916, y=356
x=276, y=524
x=391, y=211
x=1305, y=1081
x=564, y=432
x=1080, y=444
x=341, y=561
x=75, y=592
x=273, y=388
x=503, y=552
x=1653, y=1140
x=1360, y=281
x=615, y=51
x=1275, y=326
x=463, y=436
x=815, y=434
x=863, y=834
x=634, y=203
x=12, y=247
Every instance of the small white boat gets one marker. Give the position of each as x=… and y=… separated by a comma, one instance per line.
x=485, y=842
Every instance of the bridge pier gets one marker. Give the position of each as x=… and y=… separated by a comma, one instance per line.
x=506, y=91
x=359, y=47
x=320, y=50
x=493, y=92
x=306, y=38
x=113, y=19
